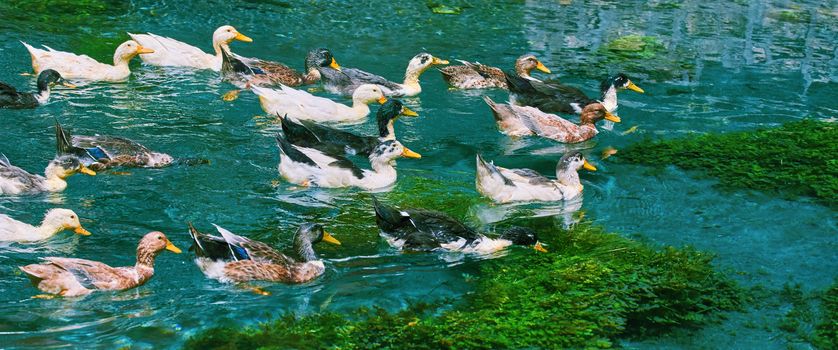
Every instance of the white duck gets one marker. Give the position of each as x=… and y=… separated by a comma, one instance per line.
x=302, y=105
x=510, y=185
x=170, y=52
x=309, y=167
x=14, y=180
x=72, y=66
x=55, y=221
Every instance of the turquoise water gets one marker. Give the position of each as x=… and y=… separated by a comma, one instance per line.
x=719, y=66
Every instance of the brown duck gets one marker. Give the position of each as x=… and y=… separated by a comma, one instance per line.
x=524, y=121
x=244, y=72
x=75, y=277
x=473, y=75
x=233, y=258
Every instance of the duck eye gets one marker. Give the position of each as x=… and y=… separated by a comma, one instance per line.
x=72, y=216
x=160, y=237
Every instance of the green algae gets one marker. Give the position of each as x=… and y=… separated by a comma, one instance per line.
x=794, y=160
x=826, y=331
x=592, y=288
x=636, y=46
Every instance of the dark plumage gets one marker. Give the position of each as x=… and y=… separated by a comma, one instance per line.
x=11, y=98
x=553, y=97
x=243, y=71
x=100, y=152
x=333, y=141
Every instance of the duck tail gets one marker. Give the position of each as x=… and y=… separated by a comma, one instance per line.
x=387, y=217
x=488, y=170
x=63, y=143
x=493, y=106
x=291, y=152
x=4, y=161
x=196, y=242
x=296, y=132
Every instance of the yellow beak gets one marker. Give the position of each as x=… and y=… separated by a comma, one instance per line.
x=634, y=88
x=588, y=166
x=438, y=61
x=171, y=247
x=81, y=231
x=141, y=50
x=611, y=117
x=407, y=153
x=242, y=37
x=382, y=100
x=408, y=112
x=540, y=66
x=85, y=170
x=66, y=84
x=540, y=247
x=334, y=64
x=330, y=239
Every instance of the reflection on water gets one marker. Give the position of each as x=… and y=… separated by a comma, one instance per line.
x=713, y=67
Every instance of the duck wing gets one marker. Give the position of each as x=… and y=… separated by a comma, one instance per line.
x=532, y=176
x=253, y=250
x=292, y=152
x=7, y=90
x=359, y=77
x=24, y=178
x=171, y=52
x=303, y=134
x=421, y=228
x=92, y=274
x=351, y=143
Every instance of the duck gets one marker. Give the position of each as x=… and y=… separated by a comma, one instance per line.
x=101, y=152
x=302, y=105
x=245, y=73
x=72, y=66
x=11, y=98
x=473, y=75
x=70, y=277
x=14, y=180
x=55, y=221
x=554, y=97
x=309, y=167
x=233, y=258
x=504, y=185
x=172, y=53
x=344, y=81
x=334, y=141
x=524, y=120
x=426, y=230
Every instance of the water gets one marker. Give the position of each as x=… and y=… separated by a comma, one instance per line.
x=725, y=66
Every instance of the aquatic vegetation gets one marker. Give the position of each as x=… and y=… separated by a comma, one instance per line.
x=826, y=332
x=796, y=159
x=591, y=288
x=636, y=46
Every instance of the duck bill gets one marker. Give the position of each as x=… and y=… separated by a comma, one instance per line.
x=540, y=248
x=408, y=112
x=611, y=117
x=588, y=166
x=242, y=37
x=540, y=66
x=334, y=64
x=81, y=231
x=85, y=170
x=330, y=239
x=407, y=153
x=144, y=50
x=438, y=61
x=382, y=100
x=67, y=85
x=171, y=247
x=634, y=88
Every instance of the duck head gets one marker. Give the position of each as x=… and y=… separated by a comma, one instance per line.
x=65, y=219
x=526, y=63
x=387, y=114
x=224, y=35
x=574, y=160
x=389, y=150
x=320, y=58
x=66, y=165
x=127, y=50
x=48, y=77
x=595, y=112
x=309, y=234
x=421, y=62
x=156, y=242
x=368, y=93
x=523, y=236
x=620, y=82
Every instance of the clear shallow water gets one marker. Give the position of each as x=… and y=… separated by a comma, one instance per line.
x=726, y=67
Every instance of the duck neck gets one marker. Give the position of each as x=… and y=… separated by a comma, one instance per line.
x=312, y=75
x=387, y=131
x=218, y=45
x=608, y=98
x=360, y=106
x=568, y=177
x=42, y=96
x=382, y=167
x=411, y=80
x=47, y=229
x=523, y=72
x=304, y=248
x=54, y=178
x=145, y=263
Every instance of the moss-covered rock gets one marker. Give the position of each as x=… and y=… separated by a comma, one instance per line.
x=591, y=288
x=796, y=159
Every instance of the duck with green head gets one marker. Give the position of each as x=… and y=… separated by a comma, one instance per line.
x=553, y=97
x=11, y=98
